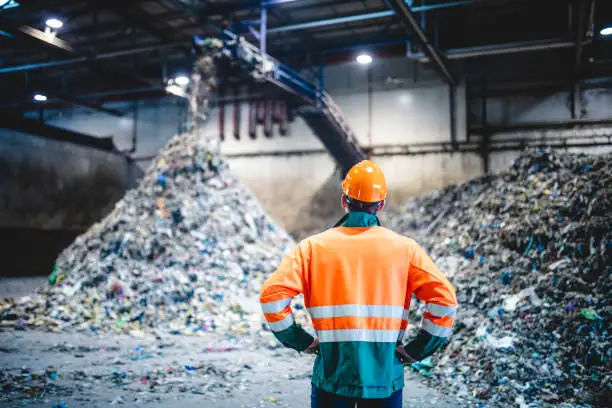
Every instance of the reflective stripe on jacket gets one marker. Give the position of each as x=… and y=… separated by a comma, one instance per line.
x=357, y=284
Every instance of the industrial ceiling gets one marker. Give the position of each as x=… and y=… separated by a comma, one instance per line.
x=114, y=50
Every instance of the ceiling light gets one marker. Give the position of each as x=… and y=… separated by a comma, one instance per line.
x=606, y=31
x=181, y=80
x=4, y=3
x=40, y=98
x=364, y=59
x=54, y=23
x=176, y=90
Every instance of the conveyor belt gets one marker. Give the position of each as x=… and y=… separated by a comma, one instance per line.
x=315, y=106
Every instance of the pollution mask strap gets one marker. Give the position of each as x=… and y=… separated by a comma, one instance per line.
x=339, y=223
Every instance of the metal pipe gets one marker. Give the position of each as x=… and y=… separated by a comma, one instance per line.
x=254, y=33
x=566, y=124
x=106, y=55
x=513, y=48
x=363, y=17
x=423, y=17
x=331, y=21
x=408, y=19
x=335, y=50
x=39, y=65
x=437, y=148
x=275, y=2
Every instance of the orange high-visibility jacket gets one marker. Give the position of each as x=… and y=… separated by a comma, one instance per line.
x=357, y=284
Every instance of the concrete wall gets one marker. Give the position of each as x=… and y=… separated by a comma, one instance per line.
x=53, y=185
x=49, y=192
x=594, y=104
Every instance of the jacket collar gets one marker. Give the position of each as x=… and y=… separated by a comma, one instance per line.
x=358, y=219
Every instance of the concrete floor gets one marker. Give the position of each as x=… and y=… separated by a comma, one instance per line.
x=98, y=371
x=40, y=369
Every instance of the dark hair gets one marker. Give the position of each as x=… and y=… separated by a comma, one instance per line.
x=356, y=205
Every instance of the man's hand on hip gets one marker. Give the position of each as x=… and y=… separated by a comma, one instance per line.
x=314, y=347
x=405, y=358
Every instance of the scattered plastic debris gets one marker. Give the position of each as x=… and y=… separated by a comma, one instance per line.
x=530, y=252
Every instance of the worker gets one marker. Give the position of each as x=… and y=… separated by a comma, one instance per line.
x=358, y=279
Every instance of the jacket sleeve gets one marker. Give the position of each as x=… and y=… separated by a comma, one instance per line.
x=277, y=293
x=429, y=285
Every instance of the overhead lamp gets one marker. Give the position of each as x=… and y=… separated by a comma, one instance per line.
x=54, y=23
x=364, y=59
x=606, y=31
x=181, y=80
x=4, y=3
x=40, y=98
x=176, y=90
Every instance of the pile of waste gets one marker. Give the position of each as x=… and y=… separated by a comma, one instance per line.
x=185, y=252
x=530, y=253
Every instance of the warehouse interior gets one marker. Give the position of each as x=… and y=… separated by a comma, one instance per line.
x=479, y=112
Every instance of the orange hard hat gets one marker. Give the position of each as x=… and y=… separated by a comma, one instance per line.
x=365, y=182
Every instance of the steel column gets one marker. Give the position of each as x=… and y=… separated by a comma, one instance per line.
x=577, y=69
x=452, y=94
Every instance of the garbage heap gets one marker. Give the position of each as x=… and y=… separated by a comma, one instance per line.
x=530, y=253
x=185, y=252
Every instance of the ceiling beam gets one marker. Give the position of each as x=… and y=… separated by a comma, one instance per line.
x=101, y=56
x=120, y=25
x=59, y=44
x=106, y=71
x=219, y=8
x=408, y=19
x=363, y=17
